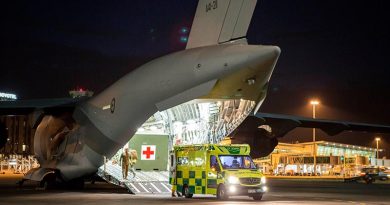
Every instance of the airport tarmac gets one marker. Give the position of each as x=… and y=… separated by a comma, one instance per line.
x=281, y=192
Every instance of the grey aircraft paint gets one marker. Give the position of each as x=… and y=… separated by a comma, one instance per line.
x=214, y=66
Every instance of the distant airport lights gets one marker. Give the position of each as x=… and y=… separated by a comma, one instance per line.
x=348, y=146
x=80, y=92
x=7, y=96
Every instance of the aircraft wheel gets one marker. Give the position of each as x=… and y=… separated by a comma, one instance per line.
x=46, y=183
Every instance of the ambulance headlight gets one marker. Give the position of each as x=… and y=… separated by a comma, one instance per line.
x=263, y=180
x=233, y=180
x=232, y=189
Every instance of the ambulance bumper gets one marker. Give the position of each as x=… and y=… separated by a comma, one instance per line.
x=237, y=190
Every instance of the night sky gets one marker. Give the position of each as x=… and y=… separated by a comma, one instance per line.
x=336, y=51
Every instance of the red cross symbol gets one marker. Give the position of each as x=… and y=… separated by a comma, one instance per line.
x=148, y=152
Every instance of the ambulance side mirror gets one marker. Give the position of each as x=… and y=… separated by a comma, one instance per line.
x=259, y=168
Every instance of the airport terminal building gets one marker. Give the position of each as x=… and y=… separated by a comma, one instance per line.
x=331, y=159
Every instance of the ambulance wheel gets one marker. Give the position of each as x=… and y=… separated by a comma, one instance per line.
x=221, y=193
x=257, y=197
x=186, y=192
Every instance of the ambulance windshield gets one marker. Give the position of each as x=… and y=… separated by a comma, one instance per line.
x=236, y=162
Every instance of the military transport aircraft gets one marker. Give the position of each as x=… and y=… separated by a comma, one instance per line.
x=73, y=135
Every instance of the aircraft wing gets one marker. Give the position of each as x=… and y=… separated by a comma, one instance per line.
x=22, y=107
x=281, y=124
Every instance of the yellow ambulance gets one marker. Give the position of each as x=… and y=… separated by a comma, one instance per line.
x=221, y=170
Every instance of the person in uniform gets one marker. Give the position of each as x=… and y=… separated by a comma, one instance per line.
x=133, y=160
x=125, y=161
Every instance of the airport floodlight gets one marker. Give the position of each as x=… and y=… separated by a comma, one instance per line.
x=314, y=102
x=377, y=139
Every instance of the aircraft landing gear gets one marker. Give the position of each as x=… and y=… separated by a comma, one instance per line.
x=48, y=182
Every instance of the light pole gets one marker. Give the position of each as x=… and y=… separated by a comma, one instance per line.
x=377, y=149
x=314, y=103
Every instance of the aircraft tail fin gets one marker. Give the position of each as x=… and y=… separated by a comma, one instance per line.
x=220, y=21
